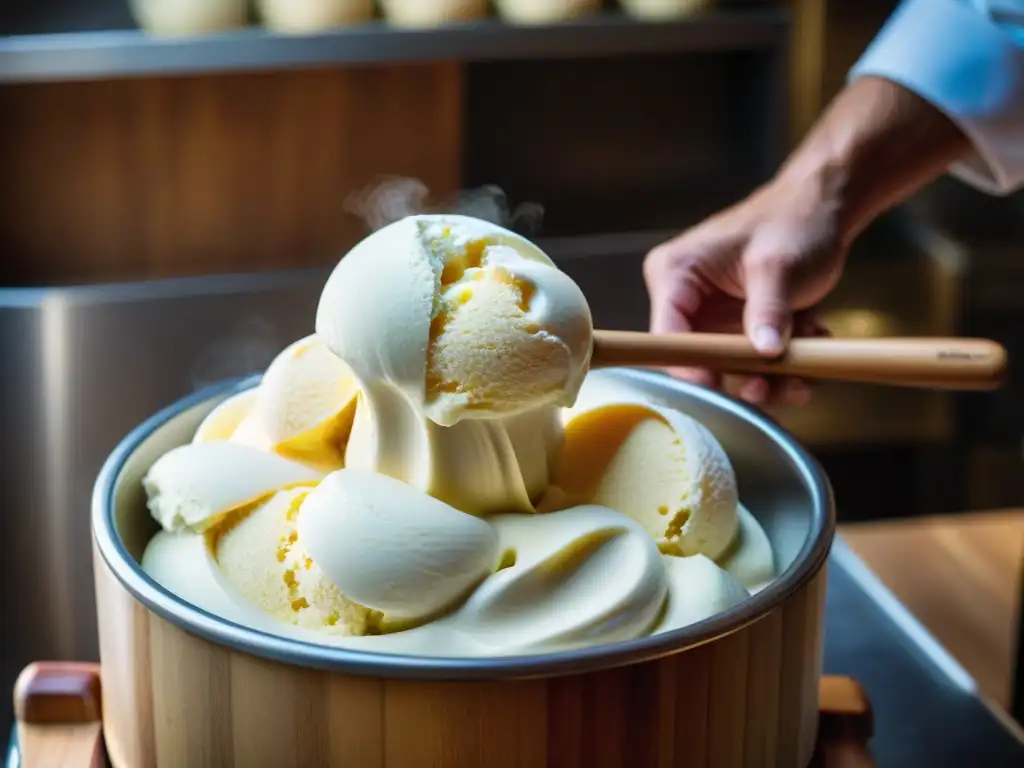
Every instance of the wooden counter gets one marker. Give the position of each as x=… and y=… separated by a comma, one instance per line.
x=961, y=577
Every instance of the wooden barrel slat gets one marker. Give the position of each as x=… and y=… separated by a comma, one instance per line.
x=693, y=681
x=763, y=688
x=748, y=699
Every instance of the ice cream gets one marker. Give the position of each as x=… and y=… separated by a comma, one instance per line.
x=478, y=322
x=460, y=333
x=699, y=589
x=545, y=11
x=394, y=549
x=662, y=10
x=188, y=17
x=312, y=15
x=196, y=486
x=304, y=407
x=432, y=13
x=434, y=471
x=265, y=559
x=657, y=465
x=579, y=575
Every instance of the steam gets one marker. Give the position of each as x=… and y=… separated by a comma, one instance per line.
x=391, y=198
x=251, y=344
x=248, y=347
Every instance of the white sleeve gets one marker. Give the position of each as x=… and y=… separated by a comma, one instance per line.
x=967, y=58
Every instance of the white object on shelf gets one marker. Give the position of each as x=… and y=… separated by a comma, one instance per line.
x=545, y=11
x=663, y=10
x=189, y=17
x=312, y=15
x=432, y=13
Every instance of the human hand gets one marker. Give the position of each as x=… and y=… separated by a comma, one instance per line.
x=757, y=268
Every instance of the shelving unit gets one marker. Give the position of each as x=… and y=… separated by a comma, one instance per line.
x=250, y=140
x=128, y=53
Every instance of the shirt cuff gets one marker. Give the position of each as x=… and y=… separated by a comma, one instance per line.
x=965, y=64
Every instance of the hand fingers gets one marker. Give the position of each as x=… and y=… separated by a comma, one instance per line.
x=667, y=319
x=676, y=294
x=767, y=318
x=771, y=390
x=721, y=314
x=775, y=390
x=675, y=300
x=699, y=376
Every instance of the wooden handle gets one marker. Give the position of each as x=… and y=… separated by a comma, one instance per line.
x=57, y=706
x=931, y=363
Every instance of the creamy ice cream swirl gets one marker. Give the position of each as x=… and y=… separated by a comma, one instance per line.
x=465, y=338
x=410, y=478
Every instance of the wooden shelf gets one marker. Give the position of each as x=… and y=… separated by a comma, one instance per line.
x=132, y=53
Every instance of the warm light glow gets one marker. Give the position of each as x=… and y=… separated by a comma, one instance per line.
x=858, y=322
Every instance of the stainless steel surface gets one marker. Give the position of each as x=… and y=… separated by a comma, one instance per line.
x=90, y=55
x=927, y=711
x=82, y=367
x=778, y=480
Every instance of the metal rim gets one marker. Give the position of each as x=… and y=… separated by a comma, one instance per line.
x=368, y=663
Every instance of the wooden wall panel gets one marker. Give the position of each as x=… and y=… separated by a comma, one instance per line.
x=807, y=57
x=828, y=37
x=171, y=176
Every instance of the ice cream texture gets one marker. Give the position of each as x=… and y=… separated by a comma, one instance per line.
x=435, y=472
x=478, y=322
x=660, y=467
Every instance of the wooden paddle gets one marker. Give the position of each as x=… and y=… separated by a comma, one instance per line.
x=931, y=363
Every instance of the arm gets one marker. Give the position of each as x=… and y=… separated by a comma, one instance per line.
x=967, y=58
x=875, y=145
x=941, y=88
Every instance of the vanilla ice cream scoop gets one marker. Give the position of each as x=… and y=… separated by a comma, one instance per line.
x=431, y=13
x=698, y=590
x=194, y=486
x=392, y=548
x=465, y=318
x=464, y=337
x=657, y=465
x=304, y=406
x=545, y=11
x=183, y=564
x=509, y=335
x=750, y=559
x=263, y=556
x=575, y=577
x=312, y=15
x=428, y=474
x=662, y=10
x=223, y=421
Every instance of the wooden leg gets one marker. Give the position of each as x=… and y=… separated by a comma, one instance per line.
x=1017, y=682
x=846, y=726
x=57, y=705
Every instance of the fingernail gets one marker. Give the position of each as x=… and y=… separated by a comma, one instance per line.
x=767, y=339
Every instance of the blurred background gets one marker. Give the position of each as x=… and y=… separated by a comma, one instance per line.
x=171, y=206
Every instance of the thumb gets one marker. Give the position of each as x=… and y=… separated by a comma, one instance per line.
x=767, y=317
